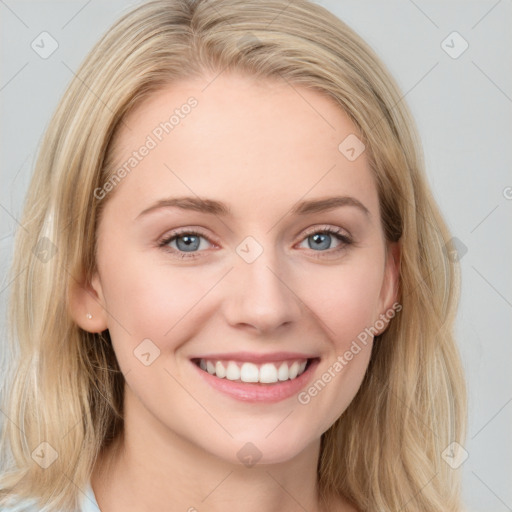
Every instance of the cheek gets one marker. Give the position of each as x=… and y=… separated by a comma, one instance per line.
x=346, y=299
x=147, y=299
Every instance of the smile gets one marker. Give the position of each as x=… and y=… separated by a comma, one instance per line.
x=267, y=373
x=256, y=378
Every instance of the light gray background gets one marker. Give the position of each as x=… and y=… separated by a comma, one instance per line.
x=463, y=110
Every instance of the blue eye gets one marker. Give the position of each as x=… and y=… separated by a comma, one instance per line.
x=322, y=239
x=188, y=242
x=184, y=242
x=319, y=241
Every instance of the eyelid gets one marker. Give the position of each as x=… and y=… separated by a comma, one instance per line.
x=189, y=230
x=164, y=240
x=326, y=227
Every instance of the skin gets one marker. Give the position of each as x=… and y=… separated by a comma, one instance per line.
x=260, y=147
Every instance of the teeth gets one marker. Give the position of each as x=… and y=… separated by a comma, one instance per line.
x=294, y=369
x=282, y=373
x=220, y=371
x=233, y=371
x=249, y=373
x=210, y=367
x=267, y=373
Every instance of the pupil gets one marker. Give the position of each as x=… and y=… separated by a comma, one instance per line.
x=321, y=240
x=187, y=242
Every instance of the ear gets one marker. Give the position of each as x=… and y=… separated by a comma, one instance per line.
x=390, y=285
x=87, y=304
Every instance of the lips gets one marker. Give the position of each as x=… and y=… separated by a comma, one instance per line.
x=257, y=377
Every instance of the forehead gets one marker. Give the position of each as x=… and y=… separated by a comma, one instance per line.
x=240, y=140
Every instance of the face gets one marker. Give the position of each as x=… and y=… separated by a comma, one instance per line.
x=240, y=259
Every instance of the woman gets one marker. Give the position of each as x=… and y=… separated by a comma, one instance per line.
x=234, y=289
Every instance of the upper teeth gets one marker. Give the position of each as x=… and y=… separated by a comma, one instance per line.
x=266, y=373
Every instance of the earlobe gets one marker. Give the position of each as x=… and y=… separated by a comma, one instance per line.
x=86, y=305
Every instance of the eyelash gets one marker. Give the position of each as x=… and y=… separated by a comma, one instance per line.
x=176, y=234
x=337, y=232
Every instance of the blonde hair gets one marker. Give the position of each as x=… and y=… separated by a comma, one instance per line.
x=66, y=389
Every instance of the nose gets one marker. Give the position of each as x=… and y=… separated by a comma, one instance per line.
x=260, y=296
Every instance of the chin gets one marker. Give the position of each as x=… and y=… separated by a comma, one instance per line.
x=252, y=449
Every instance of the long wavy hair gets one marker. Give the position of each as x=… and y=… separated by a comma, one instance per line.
x=65, y=387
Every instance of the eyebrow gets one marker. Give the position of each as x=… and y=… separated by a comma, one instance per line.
x=213, y=207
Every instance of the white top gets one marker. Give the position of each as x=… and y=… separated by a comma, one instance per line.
x=88, y=503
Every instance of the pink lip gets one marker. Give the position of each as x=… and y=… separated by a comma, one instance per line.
x=252, y=357
x=257, y=392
